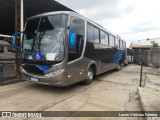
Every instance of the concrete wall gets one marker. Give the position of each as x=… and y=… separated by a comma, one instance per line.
x=155, y=57
x=141, y=56
x=150, y=57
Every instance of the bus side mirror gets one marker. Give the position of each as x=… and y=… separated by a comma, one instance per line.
x=14, y=40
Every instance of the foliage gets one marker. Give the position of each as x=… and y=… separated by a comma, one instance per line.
x=154, y=44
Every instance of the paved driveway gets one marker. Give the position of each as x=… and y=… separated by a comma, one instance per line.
x=112, y=91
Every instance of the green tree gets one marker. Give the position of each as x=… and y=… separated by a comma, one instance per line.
x=154, y=44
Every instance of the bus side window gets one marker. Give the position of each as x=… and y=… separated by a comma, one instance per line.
x=90, y=33
x=102, y=37
x=96, y=33
x=111, y=41
x=76, y=39
x=121, y=44
x=124, y=45
x=75, y=43
x=117, y=42
x=107, y=38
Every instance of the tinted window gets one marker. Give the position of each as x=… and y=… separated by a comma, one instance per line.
x=106, y=38
x=52, y=22
x=45, y=35
x=121, y=44
x=32, y=28
x=90, y=33
x=129, y=52
x=111, y=41
x=78, y=25
x=117, y=42
x=78, y=29
x=124, y=45
x=103, y=41
x=96, y=32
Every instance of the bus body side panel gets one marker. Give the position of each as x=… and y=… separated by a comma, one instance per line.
x=107, y=55
x=92, y=52
x=77, y=71
x=102, y=55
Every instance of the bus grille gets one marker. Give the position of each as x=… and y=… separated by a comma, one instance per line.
x=32, y=69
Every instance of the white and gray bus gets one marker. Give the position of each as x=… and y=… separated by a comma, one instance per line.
x=64, y=48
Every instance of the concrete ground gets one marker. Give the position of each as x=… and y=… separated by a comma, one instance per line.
x=149, y=94
x=113, y=91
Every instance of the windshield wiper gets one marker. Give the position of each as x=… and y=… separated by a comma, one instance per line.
x=38, y=40
x=30, y=50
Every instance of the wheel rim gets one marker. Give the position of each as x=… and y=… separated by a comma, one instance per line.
x=90, y=75
x=119, y=66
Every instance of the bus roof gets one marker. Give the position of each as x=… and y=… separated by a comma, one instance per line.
x=78, y=15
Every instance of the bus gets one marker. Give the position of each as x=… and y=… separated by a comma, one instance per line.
x=63, y=48
x=129, y=55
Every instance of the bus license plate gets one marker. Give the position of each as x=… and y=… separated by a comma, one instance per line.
x=34, y=79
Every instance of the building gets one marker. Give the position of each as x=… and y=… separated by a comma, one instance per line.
x=144, y=44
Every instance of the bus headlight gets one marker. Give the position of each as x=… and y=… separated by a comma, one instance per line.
x=55, y=73
x=22, y=70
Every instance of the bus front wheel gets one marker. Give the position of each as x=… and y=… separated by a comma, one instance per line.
x=90, y=76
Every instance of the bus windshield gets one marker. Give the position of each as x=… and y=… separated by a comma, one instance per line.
x=43, y=39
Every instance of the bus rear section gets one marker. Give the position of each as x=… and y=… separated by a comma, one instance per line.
x=129, y=55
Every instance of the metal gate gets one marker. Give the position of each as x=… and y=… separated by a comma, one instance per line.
x=8, y=72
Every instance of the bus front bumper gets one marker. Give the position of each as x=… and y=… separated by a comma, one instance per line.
x=53, y=79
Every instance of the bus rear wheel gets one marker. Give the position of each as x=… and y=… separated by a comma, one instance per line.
x=119, y=67
x=90, y=76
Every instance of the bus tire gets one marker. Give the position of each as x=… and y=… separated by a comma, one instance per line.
x=119, y=67
x=90, y=76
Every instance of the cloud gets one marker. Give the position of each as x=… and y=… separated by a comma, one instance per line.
x=99, y=9
x=142, y=27
x=81, y=4
x=130, y=19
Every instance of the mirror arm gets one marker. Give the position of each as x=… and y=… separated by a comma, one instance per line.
x=14, y=39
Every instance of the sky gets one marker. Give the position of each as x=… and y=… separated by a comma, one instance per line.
x=132, y=20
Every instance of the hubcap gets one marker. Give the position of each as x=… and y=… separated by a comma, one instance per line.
x=119, y=67
x=90, y=75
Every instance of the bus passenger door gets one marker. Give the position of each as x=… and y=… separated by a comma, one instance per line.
x=76, y=43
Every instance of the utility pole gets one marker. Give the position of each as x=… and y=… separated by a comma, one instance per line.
x=18, y=27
